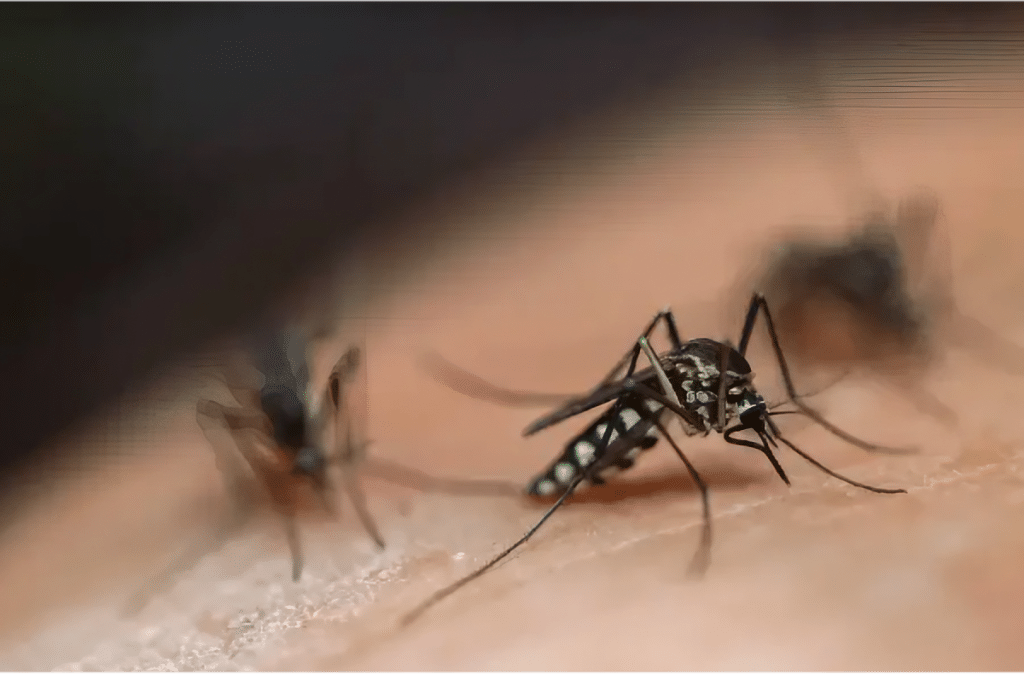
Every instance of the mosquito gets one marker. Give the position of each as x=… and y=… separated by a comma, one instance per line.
x=703, y=383
x=279, y=440
x=880, y=298
x=889, y=279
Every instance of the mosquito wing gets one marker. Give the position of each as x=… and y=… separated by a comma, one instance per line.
x=599, y=396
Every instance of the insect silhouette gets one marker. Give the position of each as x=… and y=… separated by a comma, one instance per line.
x=703, y=383
x=279, y=442
x=878, y=299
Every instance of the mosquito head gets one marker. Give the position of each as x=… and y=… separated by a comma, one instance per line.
x=750, y=407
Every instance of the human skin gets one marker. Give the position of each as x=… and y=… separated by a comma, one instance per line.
x=817, y=576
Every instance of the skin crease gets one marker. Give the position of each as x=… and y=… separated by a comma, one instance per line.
x=819, y=576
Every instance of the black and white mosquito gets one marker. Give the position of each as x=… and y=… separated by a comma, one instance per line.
x=280, y=438
x=690, y=381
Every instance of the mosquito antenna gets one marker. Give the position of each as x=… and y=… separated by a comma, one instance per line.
x=817, y=464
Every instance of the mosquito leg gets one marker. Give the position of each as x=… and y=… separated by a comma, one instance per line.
x=757, y=302
x=570, y=404
x=238, y=486
x=821, y=390
x=632, y=354
x=343, y=372
x=213, y=416
x=468, y=384
x=702, y=557
x=350, y=454
x=748, y=324
x=924, y=400
x=291, y=530
x=184, y=563
x=666, y=385
x=351, y=485
x=464, y=382
x=669, y=404
x=446, y=591
x=812, y=461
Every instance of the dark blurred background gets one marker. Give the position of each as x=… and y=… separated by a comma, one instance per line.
x=170, y=168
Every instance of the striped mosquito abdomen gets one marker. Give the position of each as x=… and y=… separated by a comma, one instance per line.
x=633, y=431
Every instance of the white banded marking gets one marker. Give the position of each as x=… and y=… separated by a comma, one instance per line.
x=564, y=472
x=630, y=417
x=545, y=487
x=602, y=429
x=585, y=452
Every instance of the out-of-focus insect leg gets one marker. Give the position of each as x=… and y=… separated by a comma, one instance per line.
x=291, y=529
x=212, y=416
x=185, y=562
x=758, y=304
x=350, y=482
x=242, y=424
x=702, y=557
x=349, y=451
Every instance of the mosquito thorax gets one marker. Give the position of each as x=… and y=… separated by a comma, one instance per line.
x=287, y=415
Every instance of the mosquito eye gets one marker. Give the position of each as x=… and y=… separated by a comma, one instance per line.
x=751, y=413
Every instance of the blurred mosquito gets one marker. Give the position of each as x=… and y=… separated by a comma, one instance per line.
x=884, y=293
x=706, y=384
x=878, y=299
x=279, y=441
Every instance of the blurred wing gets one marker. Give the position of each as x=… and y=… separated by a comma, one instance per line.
x=599, y=396
x=346, y=406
